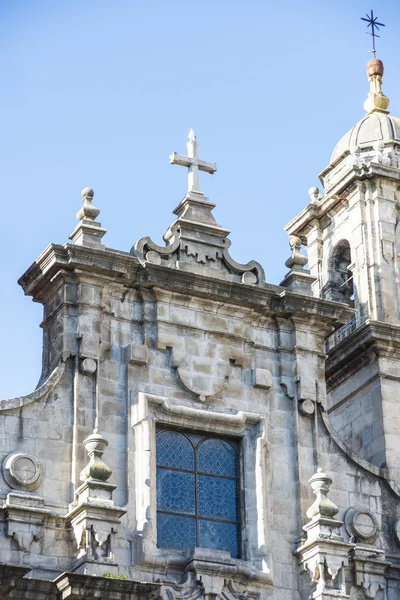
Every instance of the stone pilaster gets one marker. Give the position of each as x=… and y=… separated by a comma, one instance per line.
x=94, y=518
x=324, y=556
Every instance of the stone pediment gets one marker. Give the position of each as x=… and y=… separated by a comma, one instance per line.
x=195, y=242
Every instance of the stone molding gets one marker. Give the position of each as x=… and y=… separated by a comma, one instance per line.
x=150, y=410
x=40, y=393
x=25, y=516
x=196, y=243
x=149, y=252
x=74, y=586
x=41, y=278
x=364, y=464
x=12, y=475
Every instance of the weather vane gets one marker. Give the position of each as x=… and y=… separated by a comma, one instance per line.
x=373, y=23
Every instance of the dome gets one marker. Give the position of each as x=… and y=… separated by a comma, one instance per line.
x=375, y=126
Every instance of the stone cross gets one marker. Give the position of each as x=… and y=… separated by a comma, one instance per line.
x=193, y=162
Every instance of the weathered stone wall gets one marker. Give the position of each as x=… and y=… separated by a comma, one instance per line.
x=233, y=360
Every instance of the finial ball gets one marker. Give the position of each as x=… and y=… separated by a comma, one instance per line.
x=87, y=192
x=375, y=67
x=313, y=191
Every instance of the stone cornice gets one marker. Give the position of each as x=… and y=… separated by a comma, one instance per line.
x=383, y=338
x=349, y=177
x=72, y=260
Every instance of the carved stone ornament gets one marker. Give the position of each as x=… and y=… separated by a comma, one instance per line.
x=94, y=517
x=88, y=366
x=204, y=374
x=324, y=556
x=22, y=471
x=361, y=525
x=24, y=517
x=195, y=242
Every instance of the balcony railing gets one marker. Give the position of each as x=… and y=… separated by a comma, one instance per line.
x=340, y=334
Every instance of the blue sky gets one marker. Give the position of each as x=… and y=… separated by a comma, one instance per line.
x=98, y=93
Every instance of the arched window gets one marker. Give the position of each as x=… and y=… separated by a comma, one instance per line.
x=197, y=492
x=339, y=286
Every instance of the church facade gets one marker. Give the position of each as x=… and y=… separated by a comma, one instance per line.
x=199, y=433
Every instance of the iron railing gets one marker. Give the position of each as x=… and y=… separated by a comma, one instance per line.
x=340, y=334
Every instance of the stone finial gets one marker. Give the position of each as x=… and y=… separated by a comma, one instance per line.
x=314, y=194
x=88, y=232
x=93, y=516
x=298, y=279
x=297, y=260
x=376, y=100
x=88, y=210
x=324, y=555
x=96, y=470
x=323, y=506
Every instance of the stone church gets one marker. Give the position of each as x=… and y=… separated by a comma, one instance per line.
x=198, y=433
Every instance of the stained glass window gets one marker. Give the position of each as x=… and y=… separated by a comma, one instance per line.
x=197, y=492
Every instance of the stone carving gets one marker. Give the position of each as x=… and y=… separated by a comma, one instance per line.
x=24, y=515
x=40, y=393
x=137, y=354
x=153, y=257
x=382, y=155
x=94, y=516
x=315, y=195
x=262, y=378
x=94, y=543
x=204, y=374
x=297, y=260
x=307, y=407
x=324, y=555
x=24, y=536
x=96, y=470
x=88, y=210
x=195, y=242
x=361, y=525
x=21, y=470
x=88, y=231
x=188, y=589
x=249, y=278
x=88, y=366
x=78, y=586
x=298, y=278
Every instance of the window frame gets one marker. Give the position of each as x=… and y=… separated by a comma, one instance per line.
x=236, y=442
x=149, y=410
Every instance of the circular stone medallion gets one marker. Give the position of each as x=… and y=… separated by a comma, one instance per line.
x=22, y=471
x=249, y=278
x=362, y=524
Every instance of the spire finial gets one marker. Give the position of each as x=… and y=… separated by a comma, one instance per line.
x=376, y=99
x=373, y=23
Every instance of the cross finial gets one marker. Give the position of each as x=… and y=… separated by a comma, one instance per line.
x=373, y=23
x=193, y=163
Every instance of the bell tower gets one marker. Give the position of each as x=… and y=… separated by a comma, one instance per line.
x=352, y=235
x=351, y=231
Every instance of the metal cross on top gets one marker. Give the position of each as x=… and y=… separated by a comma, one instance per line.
x=373, y=23
x=193, y=162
